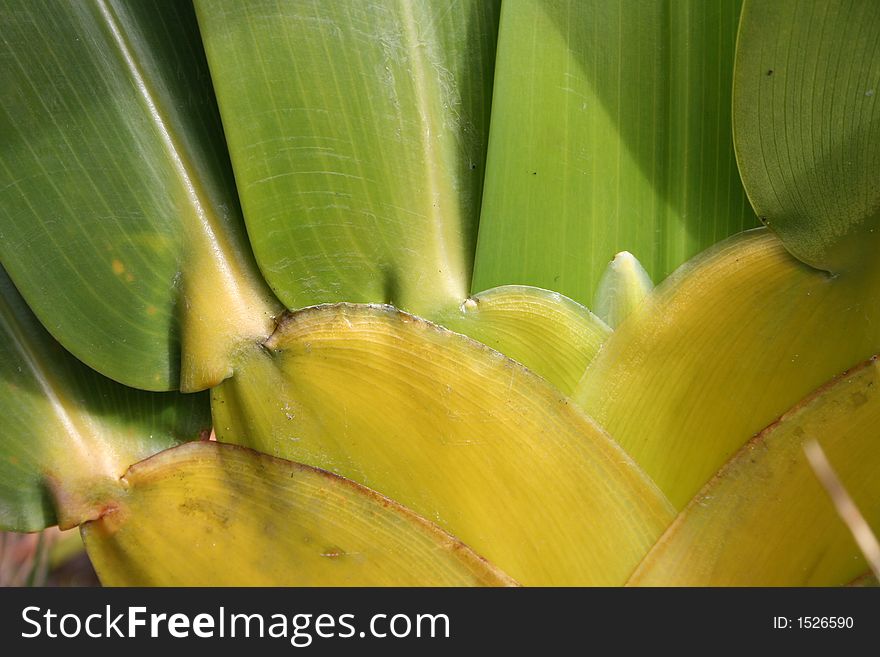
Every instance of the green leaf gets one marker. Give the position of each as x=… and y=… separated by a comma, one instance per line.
x=548, y=333
x=357, y=133
x=454, y=431
x=246, y=519
x=610, y=131
x=764, y=519
x=68, y=433
x=118, y=217
x=807, y=125
x=722, y=348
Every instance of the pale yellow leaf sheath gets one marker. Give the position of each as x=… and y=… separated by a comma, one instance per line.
x=219, y=515
x=453, y=430
x=765, y=519
x=547, y=332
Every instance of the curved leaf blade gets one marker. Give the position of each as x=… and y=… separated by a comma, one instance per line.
x=268, y=522
x=68, y=433
x=454, y=431
x=764, y=519
x=118, y=216
x=721, y=349
x=807, y=125
x=358, y=134
x=550, y=334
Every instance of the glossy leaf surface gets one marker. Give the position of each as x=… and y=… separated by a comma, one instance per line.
x=357, y=132
x=453, y=430
x=720, y=350
x=118, y=214
x=548, y=333
x=765, y=519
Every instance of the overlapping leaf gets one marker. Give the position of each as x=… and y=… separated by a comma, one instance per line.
x=357, y=133
x=248, y=519
x=68, y=433
x=721, y=349
x=548, y=333
x=610, y=132
x=765, y=519
x=453, y=430
x=118, y=214
x=807, y=126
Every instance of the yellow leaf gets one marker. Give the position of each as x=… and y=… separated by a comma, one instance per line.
x=547, y=332
x=453, y=430
x=765, y=519
x=731, y=341
x=207, y=514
